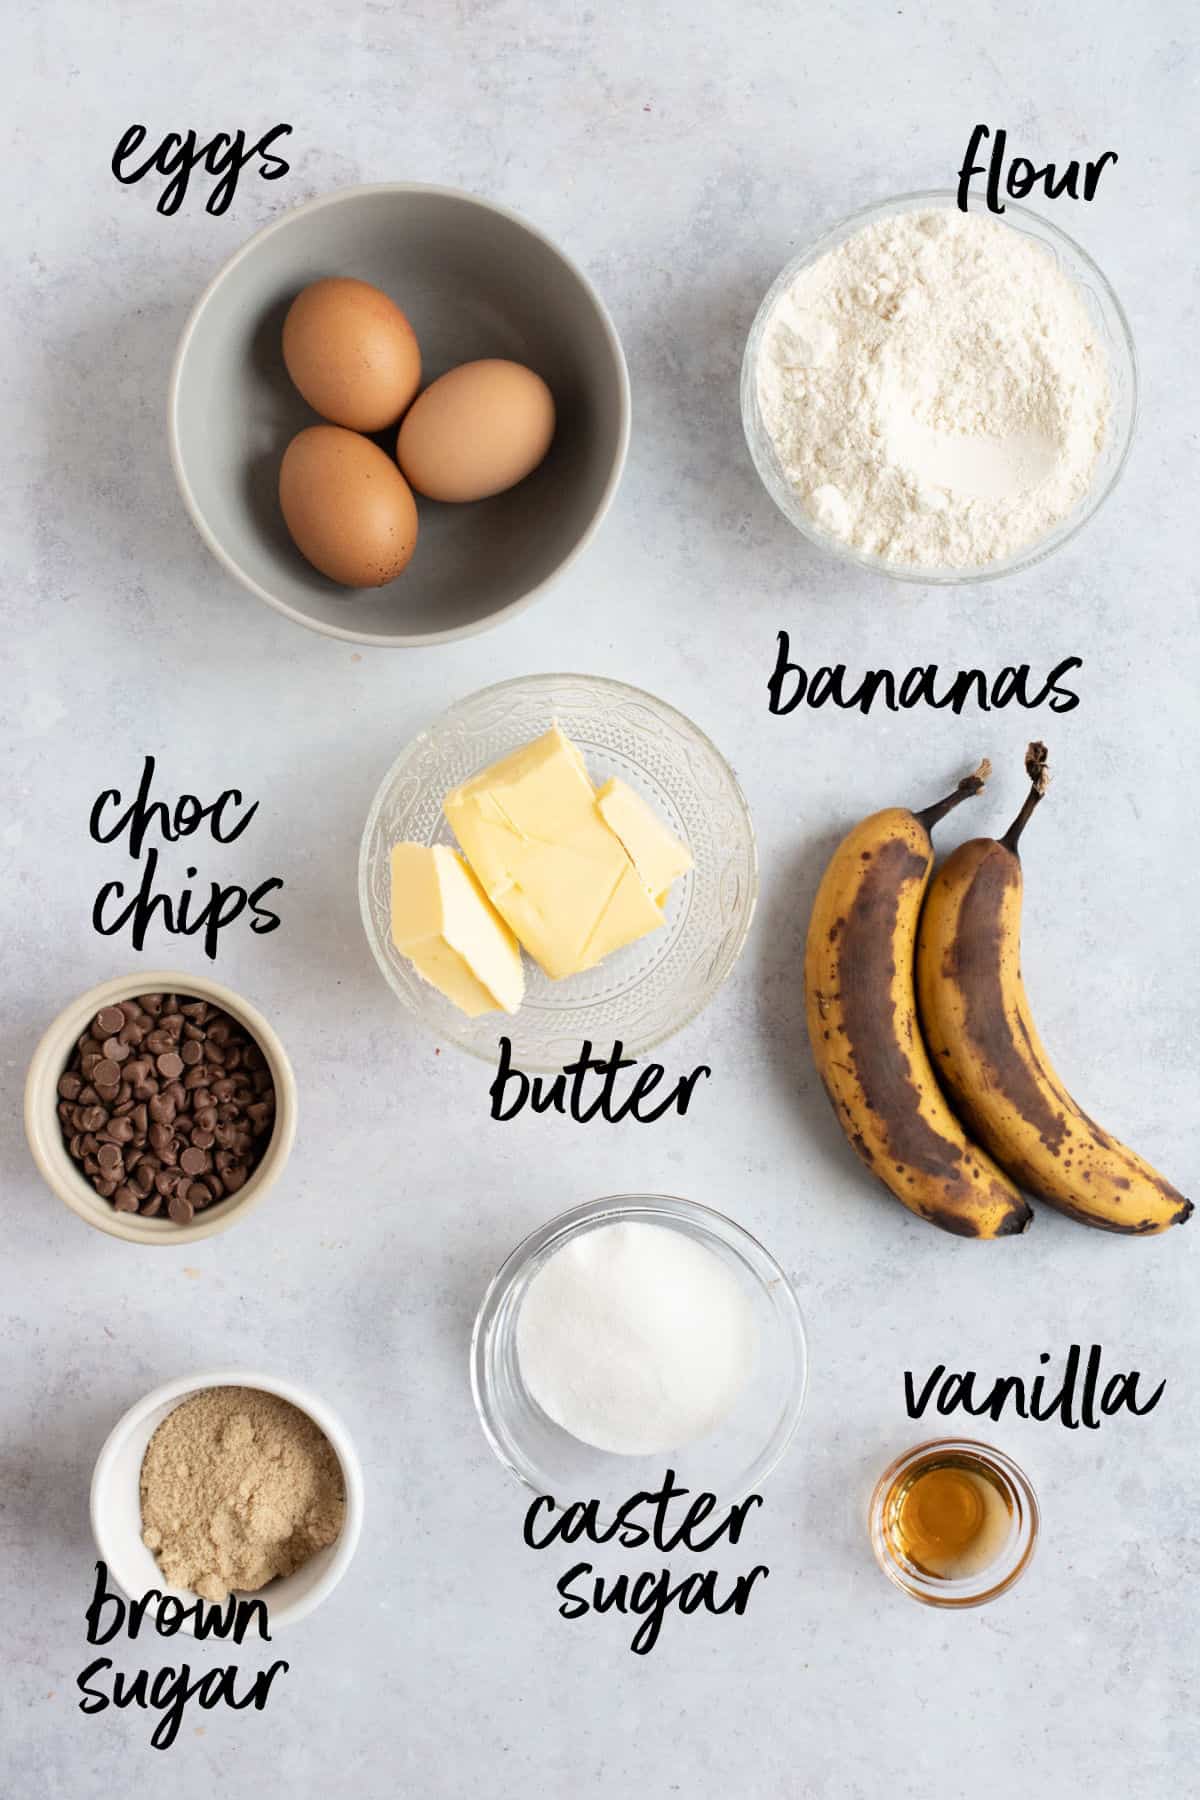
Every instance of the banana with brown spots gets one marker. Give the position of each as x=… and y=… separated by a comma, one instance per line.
x=986, y=1049
x=862, y=1021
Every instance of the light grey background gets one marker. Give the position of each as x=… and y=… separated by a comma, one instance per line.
x=682, y=154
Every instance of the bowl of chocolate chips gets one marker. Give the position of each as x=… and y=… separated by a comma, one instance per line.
x=160, y=1107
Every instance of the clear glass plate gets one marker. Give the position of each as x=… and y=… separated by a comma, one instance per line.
x=1112, y=327
x=641, y=994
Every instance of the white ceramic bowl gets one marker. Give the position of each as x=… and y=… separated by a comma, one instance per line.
x=116, y=1506
x=1112, y=329
x=66, y=1178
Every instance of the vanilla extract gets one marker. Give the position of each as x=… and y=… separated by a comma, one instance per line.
x=949, y=1517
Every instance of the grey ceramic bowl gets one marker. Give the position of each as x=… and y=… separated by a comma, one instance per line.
x=475, y=280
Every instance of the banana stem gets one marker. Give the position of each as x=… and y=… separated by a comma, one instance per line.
x=969, y=785
x=1038, y=771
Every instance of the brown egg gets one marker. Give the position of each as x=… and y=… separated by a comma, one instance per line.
x=352, y=353
x=347, y=506
x=476, y=430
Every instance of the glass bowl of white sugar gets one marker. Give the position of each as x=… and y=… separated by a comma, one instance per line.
x=633, y=1335
x=940, y=396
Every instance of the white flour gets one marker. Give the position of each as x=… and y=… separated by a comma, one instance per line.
x=936, y=390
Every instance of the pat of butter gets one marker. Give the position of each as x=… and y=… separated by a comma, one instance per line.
x=451, y=933
x=656, y=853
x=530, y=828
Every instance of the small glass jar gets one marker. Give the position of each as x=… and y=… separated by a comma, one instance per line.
x=1004, y=1530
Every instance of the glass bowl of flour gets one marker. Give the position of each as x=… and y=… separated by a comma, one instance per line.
x=937, y=395
x=635, y=1334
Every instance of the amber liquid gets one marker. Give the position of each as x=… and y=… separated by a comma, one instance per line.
x=949, y=1516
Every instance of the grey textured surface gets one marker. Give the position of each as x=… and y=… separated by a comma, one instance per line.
x=680, y=154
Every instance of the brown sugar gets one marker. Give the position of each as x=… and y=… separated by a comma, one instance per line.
x=238, y=1487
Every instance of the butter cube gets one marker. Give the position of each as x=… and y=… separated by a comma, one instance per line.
x=446, y=926
x=530, y=829
x=656, y=853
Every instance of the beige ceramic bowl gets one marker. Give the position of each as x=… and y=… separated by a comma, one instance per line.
x=45, y=1136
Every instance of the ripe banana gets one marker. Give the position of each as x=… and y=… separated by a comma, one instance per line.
x=862, y=1020
x=987, y=1051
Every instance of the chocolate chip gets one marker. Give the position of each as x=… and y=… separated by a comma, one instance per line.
x=157, y=1090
